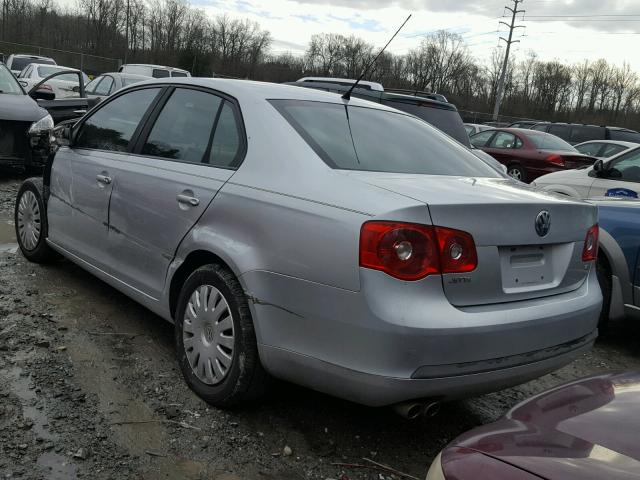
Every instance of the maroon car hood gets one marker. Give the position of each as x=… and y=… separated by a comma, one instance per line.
x=588, y=429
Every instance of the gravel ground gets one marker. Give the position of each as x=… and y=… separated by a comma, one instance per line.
x=89, y=389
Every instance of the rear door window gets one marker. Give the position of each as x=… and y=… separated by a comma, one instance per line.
x=368, y=139
x=504, y=140
x=624, y=136
x=562, y=131
x=104, y=87
x=160, y=73
x=112, y=126
x=584, y=133
x=612, y=149
x=184, y=128
x=591, y=149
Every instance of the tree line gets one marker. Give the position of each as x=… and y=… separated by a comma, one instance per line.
x=171, y=32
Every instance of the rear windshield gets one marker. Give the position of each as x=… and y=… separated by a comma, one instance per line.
x=367, y=139
x=46, y=71
x=131, y=80
x=545, y=141
x=446, y=119
x=20, y=63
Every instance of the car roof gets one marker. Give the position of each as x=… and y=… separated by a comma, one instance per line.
x=126, y=75
x=60, y=67
x=251, y=89
x=152, y=66
x=610, y=142
x=26, y=55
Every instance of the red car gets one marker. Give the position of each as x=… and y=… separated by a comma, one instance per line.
x=588, y=429
x=529, y=154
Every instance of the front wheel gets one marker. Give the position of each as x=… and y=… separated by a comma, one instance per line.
x=215, y=339
x=31, y=225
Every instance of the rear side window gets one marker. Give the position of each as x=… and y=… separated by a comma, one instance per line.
x=624, y=136
x=225, y=149
x=481, y=139
x=584, y=133
x=112, y=126
x=160, y=73
x=183, y=129
x=561, y=131
x=367, y=139
x=445, y=119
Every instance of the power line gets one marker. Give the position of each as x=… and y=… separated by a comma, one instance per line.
x=514, y=11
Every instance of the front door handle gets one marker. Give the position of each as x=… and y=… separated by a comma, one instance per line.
x=79, y=112
x=103, y=179
x=187, y=200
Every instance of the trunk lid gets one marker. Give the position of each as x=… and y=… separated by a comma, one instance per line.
x=514, y=261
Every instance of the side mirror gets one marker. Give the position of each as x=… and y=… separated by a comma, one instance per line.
x=598, y=167
x=62, y=134
x=76, y=89
x=42, y=94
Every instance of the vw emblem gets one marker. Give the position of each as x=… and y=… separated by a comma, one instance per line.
x=543, y=223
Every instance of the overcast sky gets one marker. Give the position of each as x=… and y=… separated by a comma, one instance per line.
x=577, y=29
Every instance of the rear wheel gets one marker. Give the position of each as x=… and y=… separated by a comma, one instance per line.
x=604, y=278
x=517, y=172
x=30, y=218
x=215, y=339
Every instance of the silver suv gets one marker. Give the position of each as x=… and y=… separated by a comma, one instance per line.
x=328, y=243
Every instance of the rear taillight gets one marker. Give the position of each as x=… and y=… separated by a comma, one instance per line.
x=411, y=251
x=590, y=248
x=556, y=160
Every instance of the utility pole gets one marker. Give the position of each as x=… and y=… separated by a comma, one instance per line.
x=500, y=90
x=126, y=35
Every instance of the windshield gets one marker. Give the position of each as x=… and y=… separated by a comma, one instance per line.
x=8, y=83
x=131, y=80
x=368, y=139
x=545, y=141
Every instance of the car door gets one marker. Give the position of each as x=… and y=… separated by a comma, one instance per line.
x=67, y=108
x=621, y=177
x=503, y=147
x=186, y=152
x=82, y=174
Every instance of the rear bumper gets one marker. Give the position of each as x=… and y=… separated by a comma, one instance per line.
x=377, y=390
x=397, y=341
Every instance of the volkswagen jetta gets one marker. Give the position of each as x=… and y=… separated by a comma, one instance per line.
x=338, y=244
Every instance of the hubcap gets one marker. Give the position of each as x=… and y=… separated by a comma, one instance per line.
x=515, y=173
x=28, y=220
x=207, y=334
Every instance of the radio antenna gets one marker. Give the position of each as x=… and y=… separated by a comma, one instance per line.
x=347, y=95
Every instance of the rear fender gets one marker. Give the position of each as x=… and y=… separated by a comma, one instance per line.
x=619, y=268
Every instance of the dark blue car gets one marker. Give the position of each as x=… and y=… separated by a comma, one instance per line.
x=619, y=257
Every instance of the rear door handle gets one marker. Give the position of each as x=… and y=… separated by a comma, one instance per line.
x=103, y=179
x=79, y=112
x=187, y=200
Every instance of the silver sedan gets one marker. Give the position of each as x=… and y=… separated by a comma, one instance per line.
x=338, y=244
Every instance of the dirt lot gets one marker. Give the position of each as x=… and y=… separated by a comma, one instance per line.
x=89, y=389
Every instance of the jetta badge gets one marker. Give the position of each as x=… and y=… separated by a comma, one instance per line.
x=543, y=223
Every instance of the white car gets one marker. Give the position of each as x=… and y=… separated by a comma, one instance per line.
x=618, y=176
x=63, y=85
x=155, y=71
x=604, y=148
x=18, y=62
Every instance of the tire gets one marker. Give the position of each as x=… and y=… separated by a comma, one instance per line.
x=207, y=334
x=517, y=172
x=604, y=278
x=30, y=218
